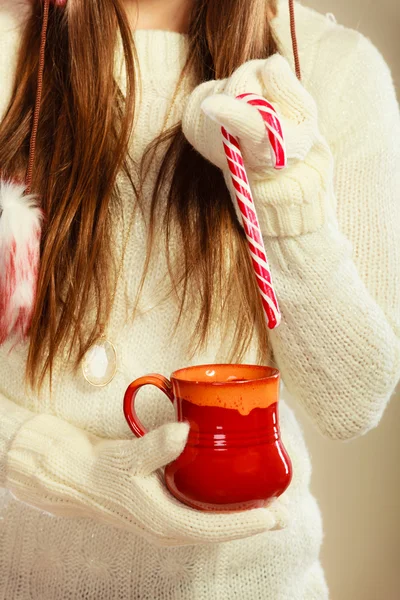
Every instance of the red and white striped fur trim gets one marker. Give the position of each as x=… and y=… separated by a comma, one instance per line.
x=20, y=232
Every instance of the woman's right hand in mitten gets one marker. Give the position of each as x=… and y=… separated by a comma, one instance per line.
x=59, y=468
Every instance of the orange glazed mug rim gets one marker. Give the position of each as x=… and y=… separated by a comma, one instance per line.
x=269, y=374
x=194, y=390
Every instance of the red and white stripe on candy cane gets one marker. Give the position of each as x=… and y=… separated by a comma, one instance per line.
x=245, y=200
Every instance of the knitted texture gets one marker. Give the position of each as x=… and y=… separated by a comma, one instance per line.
x=295, y=200
x=313, y=260
x=72, y=454
x=58, y=467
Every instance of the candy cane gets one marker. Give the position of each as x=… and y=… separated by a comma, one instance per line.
x=246, y=203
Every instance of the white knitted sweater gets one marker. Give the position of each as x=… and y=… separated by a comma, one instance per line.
x=338, y=347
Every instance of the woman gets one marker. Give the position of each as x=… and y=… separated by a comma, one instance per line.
x=106, y=527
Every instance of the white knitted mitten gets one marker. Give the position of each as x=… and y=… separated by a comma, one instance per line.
x=58, y=467
x=288, y=202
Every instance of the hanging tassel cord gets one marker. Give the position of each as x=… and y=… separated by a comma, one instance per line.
x=38, y=101
x=294, y=39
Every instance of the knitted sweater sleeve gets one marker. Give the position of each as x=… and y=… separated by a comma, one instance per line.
x=12, y=418
x=338, y=347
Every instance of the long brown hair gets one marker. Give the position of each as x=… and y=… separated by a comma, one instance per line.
x=82, y=145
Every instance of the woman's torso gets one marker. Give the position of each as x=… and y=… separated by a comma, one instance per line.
x=45, y=557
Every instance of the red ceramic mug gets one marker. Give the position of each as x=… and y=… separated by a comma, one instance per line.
x=234, y=458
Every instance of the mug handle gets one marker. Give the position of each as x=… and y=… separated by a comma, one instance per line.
x=161, y=382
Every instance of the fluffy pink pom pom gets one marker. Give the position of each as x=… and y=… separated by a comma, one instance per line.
x=20, y=231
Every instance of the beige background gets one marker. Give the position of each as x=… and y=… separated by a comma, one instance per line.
x=357, y=483
x=379, y=20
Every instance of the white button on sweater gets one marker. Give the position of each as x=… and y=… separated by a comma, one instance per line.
x=338, y=349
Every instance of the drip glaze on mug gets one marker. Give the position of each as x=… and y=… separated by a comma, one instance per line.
x=236, y=387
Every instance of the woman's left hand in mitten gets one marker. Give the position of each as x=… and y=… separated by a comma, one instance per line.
x=291, y=201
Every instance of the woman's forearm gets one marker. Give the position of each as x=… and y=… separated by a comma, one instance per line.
x=338, y=353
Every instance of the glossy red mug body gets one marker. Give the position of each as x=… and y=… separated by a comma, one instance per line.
x=234, y=458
